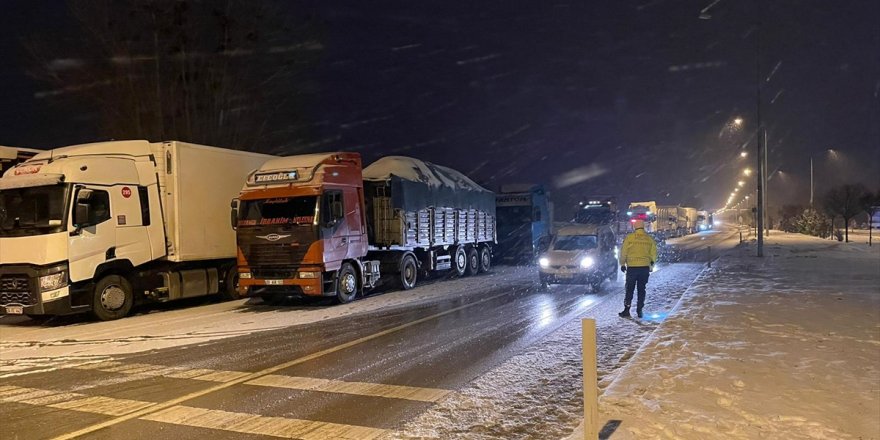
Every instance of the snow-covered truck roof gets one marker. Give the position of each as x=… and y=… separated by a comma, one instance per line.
x=416, y=184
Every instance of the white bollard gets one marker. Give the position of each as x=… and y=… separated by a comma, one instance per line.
x=591, y=385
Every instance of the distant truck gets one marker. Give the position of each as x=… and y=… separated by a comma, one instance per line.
x=644, y=211
x=524, y=222
x=319, y=225
x=12, y=156
x=687, y=220
x=596, y=210
x=100, y=227
x=704, y=221
x=668, y=222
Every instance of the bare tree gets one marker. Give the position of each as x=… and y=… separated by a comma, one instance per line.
x=871, y=204
x=845, y=201
x=215, y=72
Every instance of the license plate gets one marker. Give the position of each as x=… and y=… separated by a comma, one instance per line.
x=14, y=310
x=565, y=275
x=274, y=282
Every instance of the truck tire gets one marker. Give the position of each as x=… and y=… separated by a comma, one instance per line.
x=596, y=286
x=485, y=259
x=112, y=298
x=230, y=285
x=459, y=261
x=346, y=284
x=409, y=272
x=473, y=262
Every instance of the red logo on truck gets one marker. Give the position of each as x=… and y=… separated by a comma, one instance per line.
x=126, y=192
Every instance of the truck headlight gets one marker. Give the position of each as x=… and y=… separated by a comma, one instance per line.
x=587, y=262
x=245, y=275
x=308, y=274
x=544, y=262
x=53, y=281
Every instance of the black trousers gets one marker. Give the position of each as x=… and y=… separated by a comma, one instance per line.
x=636, y=276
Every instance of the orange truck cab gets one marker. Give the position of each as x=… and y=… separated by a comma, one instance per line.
x=306, y=227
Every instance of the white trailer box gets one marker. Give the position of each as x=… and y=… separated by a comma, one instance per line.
x=199, y=180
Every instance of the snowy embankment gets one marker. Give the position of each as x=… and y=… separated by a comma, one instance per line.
x=787, y=346
x=27, y=348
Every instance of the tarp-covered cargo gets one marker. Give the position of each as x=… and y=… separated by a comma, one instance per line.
x=414, y=203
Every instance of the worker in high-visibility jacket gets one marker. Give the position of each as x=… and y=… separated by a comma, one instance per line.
x=637, y=258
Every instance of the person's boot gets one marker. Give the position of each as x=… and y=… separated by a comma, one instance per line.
x=639, y=312
x=624, y=313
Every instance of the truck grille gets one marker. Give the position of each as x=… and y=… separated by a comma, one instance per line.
x=274, y=254
x=15, y=289
x=269, y=273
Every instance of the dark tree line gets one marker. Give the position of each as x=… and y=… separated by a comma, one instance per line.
x=227, y=73
x=845, y=202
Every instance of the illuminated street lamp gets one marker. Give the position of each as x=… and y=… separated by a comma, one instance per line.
x=740, y=183
x=743, y=153
x=738, y=121
x=747, y=171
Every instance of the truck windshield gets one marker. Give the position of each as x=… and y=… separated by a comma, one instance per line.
x=575, y=242
x=595, y=216
x=33, y=210
x=278, y=211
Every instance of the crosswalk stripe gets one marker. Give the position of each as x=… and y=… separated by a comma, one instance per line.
x=356, y=388
x=72, y=401
x=150, y=370
x=291, y=382
x=262, y=425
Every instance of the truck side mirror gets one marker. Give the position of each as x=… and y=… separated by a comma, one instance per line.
x=82, y=210
x=336, y=210
x=233, y=214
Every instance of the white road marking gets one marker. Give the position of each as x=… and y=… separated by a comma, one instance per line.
x=73, y=401
x=262, y=425
x=356, y=388
x=149, y=370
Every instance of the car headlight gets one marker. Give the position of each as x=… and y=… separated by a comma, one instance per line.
x=53, y=281
x=544, y=262
x=587, y=262
x=308, y=274
x=245, y=275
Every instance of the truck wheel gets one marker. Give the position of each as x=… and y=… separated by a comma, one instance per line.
x=473, y=262
x=596, y=286
x=230, y=285
x=112, y=298
x=409, y=272
x=459, y=261
x=485, y=259
x=346, y=284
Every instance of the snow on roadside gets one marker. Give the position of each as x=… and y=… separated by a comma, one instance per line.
x=787, y=346
x=537, y=393
x=27, y=348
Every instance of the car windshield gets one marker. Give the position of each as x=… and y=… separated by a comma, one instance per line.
x=33, y=210
x=575, y=242
x=278, y=211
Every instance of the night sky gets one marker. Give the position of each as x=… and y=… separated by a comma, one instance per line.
x=631, y=98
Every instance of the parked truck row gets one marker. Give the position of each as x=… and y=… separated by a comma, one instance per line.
x=668, y=221
x=102, y=227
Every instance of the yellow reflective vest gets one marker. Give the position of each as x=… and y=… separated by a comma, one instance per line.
x=639, y=250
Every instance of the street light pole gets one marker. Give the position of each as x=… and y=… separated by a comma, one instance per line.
x=761, y=144
x=811, y=182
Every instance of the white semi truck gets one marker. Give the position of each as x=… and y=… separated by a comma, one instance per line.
x=100, y=227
